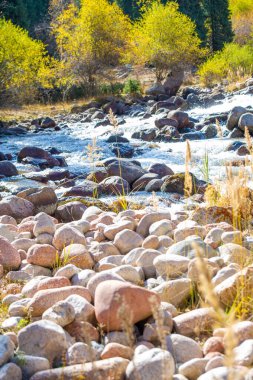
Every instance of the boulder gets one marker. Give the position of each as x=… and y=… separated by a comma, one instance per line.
x=161, y=169
x=195, y=322
x=44, y=299
x=175, y=292
x=62, y=313
x=114, y=186
x=67, y=235
x=43, y=255
x=44, y=200
x=6, y=349
x=127, y=240
x=8, y=169
x=185, y=348
x=10, y=371
x=43, y=338
x=150, y=218
x=113, y=368
x=246, y=120
x=112, y=296
x=16, y=207
x=127, y=170
x=152, y=364
x=234, y=116
x=70, y=211
x=9, y=256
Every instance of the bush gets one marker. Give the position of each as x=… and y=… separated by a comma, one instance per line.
x=24, y=64
x=132, y=86
x=233, y=62
x=111, y=89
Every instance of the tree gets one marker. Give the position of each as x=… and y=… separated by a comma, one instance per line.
x=242, y=19
x=25, y=13
x=218, y=24
x=165, y=38
x=90, y=39
x=195, y=9
x=24, y=64
x=129, y=7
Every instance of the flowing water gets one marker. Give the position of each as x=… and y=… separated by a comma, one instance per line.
x=74, y=141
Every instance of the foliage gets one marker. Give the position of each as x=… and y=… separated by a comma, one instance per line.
x=90, y=39
x=111, y=88
x=165, y=38
x=24, y=65
x=25, y=13
x=132, y=86
x=218, y=24
x=233, y=61
x=242, y=19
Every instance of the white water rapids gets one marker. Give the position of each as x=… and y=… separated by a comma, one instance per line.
x=74, y=140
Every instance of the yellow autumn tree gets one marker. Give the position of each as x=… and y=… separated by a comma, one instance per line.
x=165, y=38
x=24, y=63
x=90, y=39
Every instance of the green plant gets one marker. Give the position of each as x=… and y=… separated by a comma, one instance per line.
x=233, y=62
x=111, y=88
x=132, y=86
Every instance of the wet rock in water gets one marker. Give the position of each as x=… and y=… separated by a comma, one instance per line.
x=142, y=182
x=70, y=211
x=162, y=106
x=125, y=169
x=145, y=134
x=161, y=169
x=154, y=185
x=163, y=122
x=210, y=131
x=109, y=296
x=123, y=150
x=31, y=154
x=86, y=189
x=242, y=150
x=117, y=139
x=235, y=134
x=114, y=186
x=233, y=146
x=246, y=121
x=192, y=136
x=97, y=176
x=44, y=200
x=181, y=117
x=234, y=116
x=16, y=207
x=48, y=123
x=8, y=169
x=176, y=184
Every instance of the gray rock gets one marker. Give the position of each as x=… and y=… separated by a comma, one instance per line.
x=185, y=349
x=30, y=365
x=43, y=338
x=10, y=371
x=62, y=313
x=6, y=349
x=187, y=248
x=152, y=364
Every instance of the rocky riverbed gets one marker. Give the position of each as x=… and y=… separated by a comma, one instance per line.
x=148, y=287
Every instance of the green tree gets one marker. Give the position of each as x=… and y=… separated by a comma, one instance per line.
x=25, y=13
x=24, y=64
x=129, y=7
x=218, y=23
x=195, y=9
x=165, y=38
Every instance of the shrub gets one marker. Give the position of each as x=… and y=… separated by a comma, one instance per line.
x=24, y=64
x=231, y=63
x=111, y=88
x=132, y=86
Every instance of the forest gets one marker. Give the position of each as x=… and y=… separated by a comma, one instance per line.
x=50, y=44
